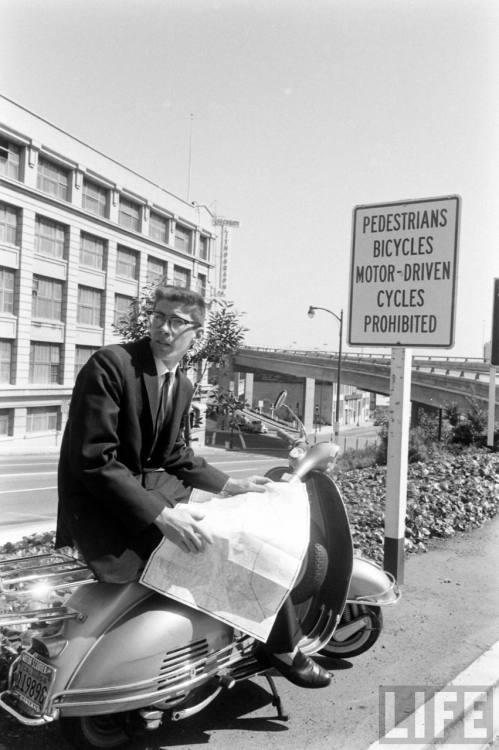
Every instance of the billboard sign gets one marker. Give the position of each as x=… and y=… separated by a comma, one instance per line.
x=403, y=274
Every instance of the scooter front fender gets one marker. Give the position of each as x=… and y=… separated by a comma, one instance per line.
x=370, y=584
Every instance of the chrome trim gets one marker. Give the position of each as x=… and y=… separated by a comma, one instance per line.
x=152, y=690
x=42, y=721
x=38, y=616
x=376, y=599
x=186, y=712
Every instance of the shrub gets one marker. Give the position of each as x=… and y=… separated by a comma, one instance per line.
x=361, y=458
x=467, y=429
x=423, y=439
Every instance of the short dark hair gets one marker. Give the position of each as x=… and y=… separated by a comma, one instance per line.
x=185, y=297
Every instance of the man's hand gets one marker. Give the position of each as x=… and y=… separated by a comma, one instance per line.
x=181, y=525
x=251, y=484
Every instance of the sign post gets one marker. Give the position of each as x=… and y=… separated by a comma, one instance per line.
x=494, y=361
x=399, y=419
x=403, y=282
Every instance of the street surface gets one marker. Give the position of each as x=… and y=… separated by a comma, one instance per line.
x=28, y=484
x=28, y=487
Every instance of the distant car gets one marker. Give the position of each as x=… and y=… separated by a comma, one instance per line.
x=256, y=426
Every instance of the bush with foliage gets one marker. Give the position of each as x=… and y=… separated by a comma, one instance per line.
x=421, y=444
x=469, y=427
x=448, y=494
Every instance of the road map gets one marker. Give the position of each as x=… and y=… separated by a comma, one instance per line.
x=259, y=542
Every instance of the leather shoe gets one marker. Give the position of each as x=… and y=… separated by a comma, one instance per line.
x=304, y=671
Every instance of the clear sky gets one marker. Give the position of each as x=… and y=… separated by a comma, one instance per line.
x=302, y=109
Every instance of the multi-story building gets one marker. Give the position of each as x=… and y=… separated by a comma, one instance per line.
x=80, y=237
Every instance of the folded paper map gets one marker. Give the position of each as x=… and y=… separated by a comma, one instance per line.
x=259, y=542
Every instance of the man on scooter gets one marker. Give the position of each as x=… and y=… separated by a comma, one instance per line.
x=125, y=469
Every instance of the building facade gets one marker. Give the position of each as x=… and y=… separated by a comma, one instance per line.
x=80, y=237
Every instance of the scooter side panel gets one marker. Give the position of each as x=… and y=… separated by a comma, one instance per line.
x=115, y=641
x=156, y=638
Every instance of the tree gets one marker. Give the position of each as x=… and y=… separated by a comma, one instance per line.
x=470, y=427
x=135, y=324
x=223, y=336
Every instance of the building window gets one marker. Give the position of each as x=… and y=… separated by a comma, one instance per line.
x=183, y=239
x=9, y=224
x=6, y=422
x=156, y=270
x=92, y=251
x=181, y=277
x=89, y=310
x=203, y=247
x=43, y=419
x=47, y=298
x=95, y=198
x=127, y=264
x=82, y=355
x=121, y=307
x=10, y=159
x=7, y=281
x=202, y=284
x=158, y=228
x=50, y=237
x=5, y=361
x=44, y=363
x=129, y=214
x=52, y=179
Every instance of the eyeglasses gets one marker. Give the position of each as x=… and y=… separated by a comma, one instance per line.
x=176, y=324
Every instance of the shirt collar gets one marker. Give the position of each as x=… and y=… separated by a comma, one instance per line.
x=162, y=369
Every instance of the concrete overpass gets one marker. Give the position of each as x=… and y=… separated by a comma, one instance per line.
x=436, y=381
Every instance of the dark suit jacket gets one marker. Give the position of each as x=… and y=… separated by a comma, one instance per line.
x=108, y=499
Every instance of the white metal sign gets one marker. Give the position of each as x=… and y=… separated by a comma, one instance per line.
x=404, y=273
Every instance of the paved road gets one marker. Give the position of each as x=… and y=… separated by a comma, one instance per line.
x=28, y=484
x=28, y=487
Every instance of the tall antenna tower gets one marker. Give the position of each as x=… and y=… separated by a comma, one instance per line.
x=191, y=118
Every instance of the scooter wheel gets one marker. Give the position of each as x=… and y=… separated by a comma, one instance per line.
x=362, y=639
x=96, y=732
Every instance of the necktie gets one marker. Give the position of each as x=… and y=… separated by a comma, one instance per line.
x=162, y=413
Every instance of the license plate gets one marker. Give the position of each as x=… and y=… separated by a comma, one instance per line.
x=31, y=680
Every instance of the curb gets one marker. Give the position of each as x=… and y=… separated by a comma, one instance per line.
x=17, y=533
x=481, y=678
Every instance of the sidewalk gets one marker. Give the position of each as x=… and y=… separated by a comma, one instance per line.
x=444, y=637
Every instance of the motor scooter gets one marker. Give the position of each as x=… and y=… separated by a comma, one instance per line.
x=109, y=661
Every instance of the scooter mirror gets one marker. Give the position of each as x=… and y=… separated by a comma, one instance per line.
x=280, y=400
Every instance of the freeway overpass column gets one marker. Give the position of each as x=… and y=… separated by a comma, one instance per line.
x=308, y=404
x=248, y=388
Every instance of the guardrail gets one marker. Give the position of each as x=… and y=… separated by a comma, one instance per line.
x=477, y=368
x=359, y=355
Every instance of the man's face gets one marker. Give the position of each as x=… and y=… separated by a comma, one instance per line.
x=172, y=329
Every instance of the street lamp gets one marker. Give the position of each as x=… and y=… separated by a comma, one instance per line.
x=339, y=318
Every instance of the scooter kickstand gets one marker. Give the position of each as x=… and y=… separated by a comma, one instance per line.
x=276, y=699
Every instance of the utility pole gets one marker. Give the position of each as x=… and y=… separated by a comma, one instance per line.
x=191, y=117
